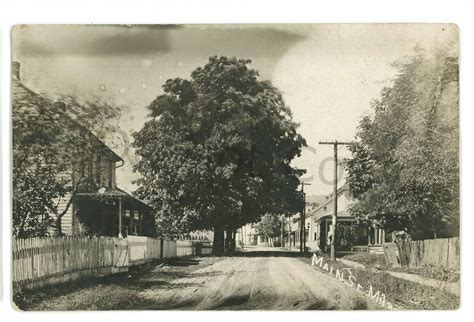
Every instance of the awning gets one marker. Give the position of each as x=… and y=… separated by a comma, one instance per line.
x=113, y=194
x=340, y=215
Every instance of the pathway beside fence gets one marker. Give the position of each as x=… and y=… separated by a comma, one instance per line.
x=45, y=261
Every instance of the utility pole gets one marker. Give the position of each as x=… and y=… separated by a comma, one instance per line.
x=334, y=215
x=303, y=220
x=281, y=234
x=289, y=233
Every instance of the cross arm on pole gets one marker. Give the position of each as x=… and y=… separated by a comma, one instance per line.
x=337, y=143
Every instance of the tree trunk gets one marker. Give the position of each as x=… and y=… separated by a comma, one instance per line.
x=59, y=229
x=233, y=242
x=228, y=240
x=218, y=241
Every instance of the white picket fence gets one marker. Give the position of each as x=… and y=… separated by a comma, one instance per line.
x=46, y=261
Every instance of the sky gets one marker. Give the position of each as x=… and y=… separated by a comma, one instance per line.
x=328, y=73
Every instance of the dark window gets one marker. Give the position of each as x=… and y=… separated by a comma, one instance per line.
x=109, y=177
x=97, y=174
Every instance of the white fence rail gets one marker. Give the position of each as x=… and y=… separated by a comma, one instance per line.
x=46, y=261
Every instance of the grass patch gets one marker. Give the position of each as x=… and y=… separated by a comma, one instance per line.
x=377, y=261
x=401, y=293
x=432, y=271
x=368, y=259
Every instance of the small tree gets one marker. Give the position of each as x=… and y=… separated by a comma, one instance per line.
x=270, y=226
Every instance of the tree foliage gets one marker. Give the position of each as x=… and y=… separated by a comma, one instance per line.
x=404, y=169
x=217, y=153
x=52, y=146
x=270, y=226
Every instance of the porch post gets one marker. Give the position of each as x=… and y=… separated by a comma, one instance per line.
x=140, y=223
x=120, y=218
x=368, y=234
x=327, y=233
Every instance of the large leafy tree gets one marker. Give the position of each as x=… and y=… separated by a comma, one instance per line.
x=404, y=169
x=52, y=147
x=217, y=152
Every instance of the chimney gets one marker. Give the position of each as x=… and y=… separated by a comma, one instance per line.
x=16, y=70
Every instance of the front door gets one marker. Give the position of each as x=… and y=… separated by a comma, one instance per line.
x=322, y=235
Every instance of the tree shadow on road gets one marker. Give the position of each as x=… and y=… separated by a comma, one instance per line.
x=156, y=274
x=269, y=253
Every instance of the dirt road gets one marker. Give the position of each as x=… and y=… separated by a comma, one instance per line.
x=255, y=281
x=262, y=279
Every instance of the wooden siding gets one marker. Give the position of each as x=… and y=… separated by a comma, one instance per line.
x=107, y=179
x=67, y=220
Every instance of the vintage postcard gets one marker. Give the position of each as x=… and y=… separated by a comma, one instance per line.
x=235, y=167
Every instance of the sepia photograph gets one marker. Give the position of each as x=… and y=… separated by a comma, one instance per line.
x=235, y=167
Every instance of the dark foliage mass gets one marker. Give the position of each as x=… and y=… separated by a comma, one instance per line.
x=404, y=171
x=217, y=153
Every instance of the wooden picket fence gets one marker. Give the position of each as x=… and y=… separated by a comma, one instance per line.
x=442, y=252
x=143, y=249
x=193, y=248
x=45, y=261
x=40, y=258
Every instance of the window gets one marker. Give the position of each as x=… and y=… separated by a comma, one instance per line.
x=97, y=169
x=136, y=215
x=110, y=174
x=127, y=213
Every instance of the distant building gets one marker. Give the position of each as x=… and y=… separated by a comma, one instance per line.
x=351, y=236
x=248, y=236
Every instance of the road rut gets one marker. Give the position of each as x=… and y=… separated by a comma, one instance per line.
x=256, y=283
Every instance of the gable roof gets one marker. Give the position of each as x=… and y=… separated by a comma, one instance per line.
x=344, y=187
